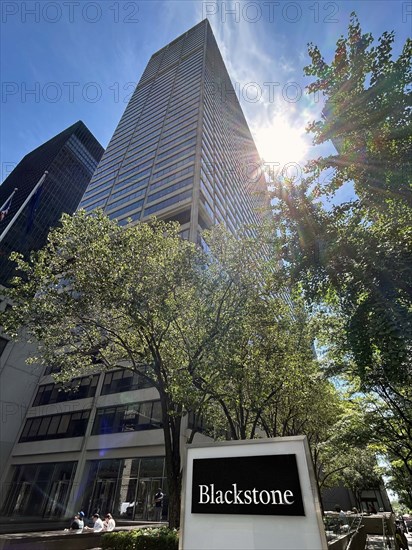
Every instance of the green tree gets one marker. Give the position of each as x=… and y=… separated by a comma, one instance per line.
x=99, y=296
x=388, y=413
x=357, y=255
x=347, y=455
x=354, y=260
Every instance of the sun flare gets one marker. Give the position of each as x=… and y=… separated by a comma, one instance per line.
x=281, y=144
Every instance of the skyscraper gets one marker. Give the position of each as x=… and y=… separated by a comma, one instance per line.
x=182, y=150
x=70, y=158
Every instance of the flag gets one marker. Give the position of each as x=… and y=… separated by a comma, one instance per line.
x=5, y=209
x=33, y=205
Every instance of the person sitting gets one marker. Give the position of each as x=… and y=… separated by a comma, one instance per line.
x=81, y=519
x=97, y=524
x=109, y=524
x=77, y=523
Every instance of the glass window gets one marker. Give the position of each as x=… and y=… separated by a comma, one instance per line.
x=122, y=380
x=44, y=425
x=133, y=417
x=55, y=426
x=168, y=202
x=79, y=388
x=39, y=490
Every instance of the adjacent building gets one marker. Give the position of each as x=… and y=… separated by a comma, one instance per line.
x=70, y=158
x=182, y=151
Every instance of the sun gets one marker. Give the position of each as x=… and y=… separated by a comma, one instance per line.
x=282, y=145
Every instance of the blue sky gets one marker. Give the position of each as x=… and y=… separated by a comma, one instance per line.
x=80, y=60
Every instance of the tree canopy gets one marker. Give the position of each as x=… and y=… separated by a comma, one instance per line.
x=353, y=260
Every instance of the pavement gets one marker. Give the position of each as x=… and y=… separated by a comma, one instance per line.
x=43, y=539
x=374, y=542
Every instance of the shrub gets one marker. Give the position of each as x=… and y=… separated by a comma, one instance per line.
x=143, y=539
x=122, y=540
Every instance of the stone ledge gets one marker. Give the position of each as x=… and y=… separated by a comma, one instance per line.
x=50, y=541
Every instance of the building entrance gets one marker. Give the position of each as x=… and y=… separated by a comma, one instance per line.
x=124, y=487
x=104, y=496
x=145, y=498
x=39, y=490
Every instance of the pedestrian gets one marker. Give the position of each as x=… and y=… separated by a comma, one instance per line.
x=341, y=517
x=158, y=499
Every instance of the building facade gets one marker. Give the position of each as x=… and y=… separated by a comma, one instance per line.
x=70, y=158
x=181, y=151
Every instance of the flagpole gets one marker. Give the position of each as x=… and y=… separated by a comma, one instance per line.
x=19, y=211
x=7, y=200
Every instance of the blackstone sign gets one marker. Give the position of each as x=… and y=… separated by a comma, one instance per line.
x=261, y=485
x=251, y=495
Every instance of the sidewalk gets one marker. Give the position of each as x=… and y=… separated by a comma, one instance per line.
x=51, y=540
x=375, y=542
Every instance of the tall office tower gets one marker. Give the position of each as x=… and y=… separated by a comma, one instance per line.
x=70, y=158
x=182, y=150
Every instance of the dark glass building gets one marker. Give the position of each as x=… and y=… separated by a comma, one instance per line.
x=183, y=149
x=70, y=158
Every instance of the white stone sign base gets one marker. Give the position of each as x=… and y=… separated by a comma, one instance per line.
x=208, y=531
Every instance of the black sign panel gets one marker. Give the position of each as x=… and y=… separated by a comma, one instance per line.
x=265, y=485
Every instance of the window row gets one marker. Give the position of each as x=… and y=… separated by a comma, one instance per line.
x=168, y=202
x=56, y=426
x=142, y=148
x=132, y=179
x=135, y=175
x=79, y=388
x=126, y=198
x=127, y=189
x=101, y=194
x=107, y=162
x=123, y=380
x=126, y=209
x=138, y=161
x=146, y=415
x=175, y=160
x=172, y=167
x=182, y=127
x=172, y=140
x=181, y=145
x=180, y=116
x=170, y=189
x=172, y=177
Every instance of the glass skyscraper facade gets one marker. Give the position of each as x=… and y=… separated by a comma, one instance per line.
x=182, y=150
x=70, y=158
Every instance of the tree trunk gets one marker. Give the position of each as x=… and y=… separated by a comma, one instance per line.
x=174, y=489
x=172, y=419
